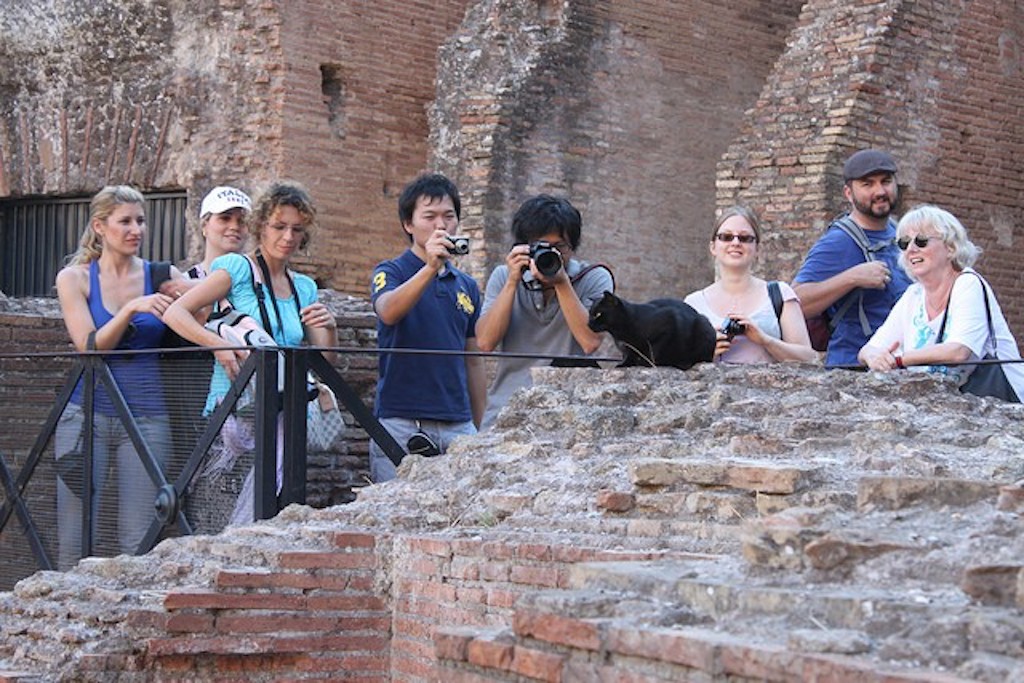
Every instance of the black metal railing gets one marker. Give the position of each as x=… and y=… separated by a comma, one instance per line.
x=173, y=482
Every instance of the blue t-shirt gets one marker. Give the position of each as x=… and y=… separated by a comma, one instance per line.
x=426, y=387
x=137, y=376
x=834, y=252
x=286, y=332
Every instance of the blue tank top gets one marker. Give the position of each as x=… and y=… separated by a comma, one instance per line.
x=137, y=376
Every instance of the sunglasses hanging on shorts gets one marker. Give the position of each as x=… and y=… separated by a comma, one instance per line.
x=421, y=444
x=921, y=241
x=729, y=237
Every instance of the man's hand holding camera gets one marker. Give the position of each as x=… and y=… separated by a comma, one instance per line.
x=438, y=248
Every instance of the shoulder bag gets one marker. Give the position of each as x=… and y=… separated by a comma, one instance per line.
x=988, y=378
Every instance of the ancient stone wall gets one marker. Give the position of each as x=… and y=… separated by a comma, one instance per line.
x=627, y=108
x=722, y=524
x=936, y=83
x=167, y=94
x=623, y=107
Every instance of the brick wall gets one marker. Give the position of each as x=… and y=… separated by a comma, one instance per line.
x=363, y=605
x=309, y=615
x=647, y=115
x=936, y=84
x=623, y=107
x=356, y=80
x=230, y=91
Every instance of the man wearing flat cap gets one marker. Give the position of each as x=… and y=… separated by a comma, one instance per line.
x=851, y=275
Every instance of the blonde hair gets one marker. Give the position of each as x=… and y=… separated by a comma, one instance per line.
x=103, y=203
x=950, y=230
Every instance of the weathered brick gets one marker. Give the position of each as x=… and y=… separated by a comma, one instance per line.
x=557, y=629
x=490, y=652
x=338, y=560
x=537, y=665
x=453, y=643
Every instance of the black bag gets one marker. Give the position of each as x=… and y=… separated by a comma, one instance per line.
x=159, y=273
x=988, y=378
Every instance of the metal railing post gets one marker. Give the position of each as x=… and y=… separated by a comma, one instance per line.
x=265, y=464
x=296, y=401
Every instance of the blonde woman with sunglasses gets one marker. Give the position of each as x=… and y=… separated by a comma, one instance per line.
x=937, y=255
x=738, y=304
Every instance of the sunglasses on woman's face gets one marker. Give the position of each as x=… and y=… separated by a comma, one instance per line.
x=921, y=241
x=729, y=237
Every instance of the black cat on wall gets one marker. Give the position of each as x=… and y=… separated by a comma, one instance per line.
x=665, y=332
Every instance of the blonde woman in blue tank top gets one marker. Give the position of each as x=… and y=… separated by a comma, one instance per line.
x=108, y=302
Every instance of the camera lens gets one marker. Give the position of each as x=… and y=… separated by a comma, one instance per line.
x=546, y=258
x=460, y=246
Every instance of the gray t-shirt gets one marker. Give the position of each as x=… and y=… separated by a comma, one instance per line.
x=536, y=328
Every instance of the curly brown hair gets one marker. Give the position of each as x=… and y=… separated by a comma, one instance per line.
x=284, y=193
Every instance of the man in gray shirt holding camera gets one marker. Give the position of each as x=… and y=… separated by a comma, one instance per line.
x=539, y=301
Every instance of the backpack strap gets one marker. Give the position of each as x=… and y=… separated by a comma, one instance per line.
x=868, y=250
x=775, y=295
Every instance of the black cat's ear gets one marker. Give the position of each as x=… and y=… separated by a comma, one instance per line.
x=608, y=295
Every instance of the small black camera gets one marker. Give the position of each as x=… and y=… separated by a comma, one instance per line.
x=546, y=257
x=731, y=328
x=460, y=245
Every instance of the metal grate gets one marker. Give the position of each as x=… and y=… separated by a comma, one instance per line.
x=37, y=235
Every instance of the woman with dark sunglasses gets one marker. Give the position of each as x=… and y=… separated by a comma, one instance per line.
x=948, y=298
x=739, y=305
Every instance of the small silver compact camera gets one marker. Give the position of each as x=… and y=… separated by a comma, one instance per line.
x=460, y=245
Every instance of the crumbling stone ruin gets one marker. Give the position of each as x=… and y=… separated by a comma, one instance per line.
x=722, y=524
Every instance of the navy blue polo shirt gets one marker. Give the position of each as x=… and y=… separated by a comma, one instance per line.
x=835, y=252
x=417, y=386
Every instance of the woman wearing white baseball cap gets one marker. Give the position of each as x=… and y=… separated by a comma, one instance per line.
x=224, y=223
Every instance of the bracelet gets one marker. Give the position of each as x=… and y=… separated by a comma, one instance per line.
x=899, y=363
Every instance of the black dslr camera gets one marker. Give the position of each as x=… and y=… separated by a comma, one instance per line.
x=460, y=245
x=731, y=328
x=546, y=257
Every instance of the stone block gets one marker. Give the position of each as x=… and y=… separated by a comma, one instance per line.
x=993, y=584
x=761, y=477
x=894, y=493
x=835, y=549
x=615, y=501
x=835, y=641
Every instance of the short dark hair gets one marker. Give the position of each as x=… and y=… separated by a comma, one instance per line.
x=433, y=185
x=539, y=215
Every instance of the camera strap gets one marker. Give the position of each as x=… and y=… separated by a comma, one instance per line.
x=258, y=285
x=586, y=269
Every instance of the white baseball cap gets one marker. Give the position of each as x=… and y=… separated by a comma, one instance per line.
x=224, y=198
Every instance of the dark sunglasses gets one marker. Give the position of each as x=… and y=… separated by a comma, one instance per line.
x=421, y=444
x=921, y=241
x=729, y=237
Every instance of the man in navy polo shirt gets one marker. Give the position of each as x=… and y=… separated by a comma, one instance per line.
x=852, y=272
x=423, y=302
